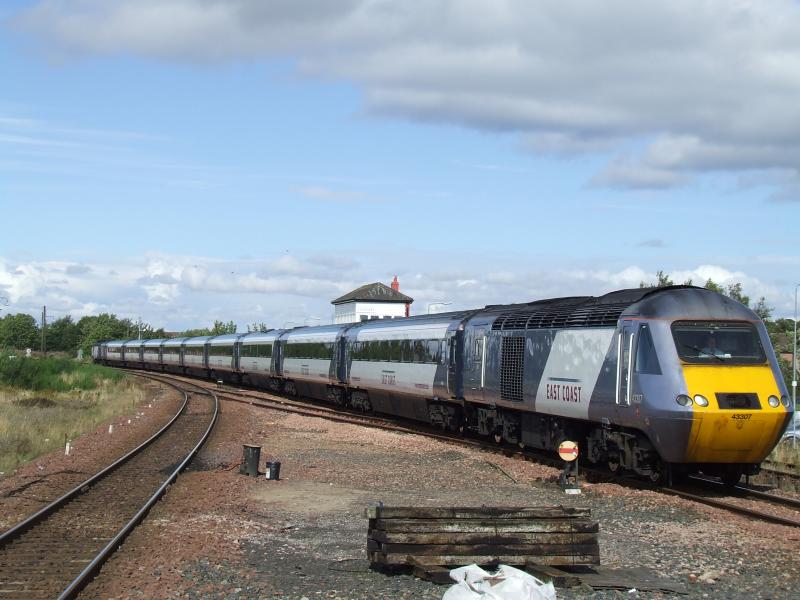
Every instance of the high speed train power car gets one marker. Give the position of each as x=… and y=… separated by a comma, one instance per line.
x=657, y=381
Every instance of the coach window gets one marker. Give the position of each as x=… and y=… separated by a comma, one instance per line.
x=433, y=351
x=646, y=357
x=382, y=350
x=406, y=351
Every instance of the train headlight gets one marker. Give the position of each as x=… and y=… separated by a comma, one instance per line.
x=700, y=400
x=785, y=401
x=683, y=400
x=773, y=401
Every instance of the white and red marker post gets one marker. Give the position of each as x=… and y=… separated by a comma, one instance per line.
x=568, y=451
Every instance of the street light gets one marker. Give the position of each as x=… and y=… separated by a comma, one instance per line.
x=430, y=304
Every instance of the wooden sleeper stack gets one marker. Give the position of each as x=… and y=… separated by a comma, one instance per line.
x=484, y=535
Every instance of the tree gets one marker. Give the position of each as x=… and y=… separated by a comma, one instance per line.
x=762, y=309
x=735, y=292
x=63, y=334
x=104, y=326
x=194, y=332
x=257, y=327
x=19, y=331
x=221, y=328
x=663, y=280
x=714, y=287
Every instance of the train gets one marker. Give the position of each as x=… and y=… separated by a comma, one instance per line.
x=660, y=382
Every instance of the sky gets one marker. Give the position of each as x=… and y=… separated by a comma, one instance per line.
x=190, y=160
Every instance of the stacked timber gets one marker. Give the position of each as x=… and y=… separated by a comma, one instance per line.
x=484, y=535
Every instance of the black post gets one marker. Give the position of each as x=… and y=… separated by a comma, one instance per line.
x=250, y=458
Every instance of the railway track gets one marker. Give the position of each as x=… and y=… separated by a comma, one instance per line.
x=729, y=498
x=703, y=490
x=55, y=552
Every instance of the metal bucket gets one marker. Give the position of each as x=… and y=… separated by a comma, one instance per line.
x=273, y=470
x=250, y=457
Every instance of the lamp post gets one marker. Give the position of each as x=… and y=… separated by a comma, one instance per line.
x=794, y=372
x=430, y=304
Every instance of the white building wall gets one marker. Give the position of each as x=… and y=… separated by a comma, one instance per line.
x=352, y=312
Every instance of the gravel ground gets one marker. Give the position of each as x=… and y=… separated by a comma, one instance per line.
x=218, y=534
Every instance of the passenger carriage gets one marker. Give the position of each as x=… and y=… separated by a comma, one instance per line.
x=259, y=359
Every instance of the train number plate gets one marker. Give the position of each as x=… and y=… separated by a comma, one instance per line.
x=741, y=416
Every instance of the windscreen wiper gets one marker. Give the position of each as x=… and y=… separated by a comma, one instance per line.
x=703, y=352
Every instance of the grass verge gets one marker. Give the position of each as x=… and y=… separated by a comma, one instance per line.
x=43, y=401
x=786, y=453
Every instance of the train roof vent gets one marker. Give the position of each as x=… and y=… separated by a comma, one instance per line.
x=583, y=315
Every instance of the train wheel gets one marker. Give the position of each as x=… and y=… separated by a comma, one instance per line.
x=613, y=462
x=731, y=477
x=659, y=473
x=498, y=439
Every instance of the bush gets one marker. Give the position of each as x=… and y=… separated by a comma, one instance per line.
x=53, y=374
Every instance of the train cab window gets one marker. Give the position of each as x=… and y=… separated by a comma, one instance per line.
x=646, y=357
x=478, y=350
x=717, y=342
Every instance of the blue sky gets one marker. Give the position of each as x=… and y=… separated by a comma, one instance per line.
x=186, y=161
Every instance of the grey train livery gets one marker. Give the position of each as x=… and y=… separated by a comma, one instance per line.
x=657, y=381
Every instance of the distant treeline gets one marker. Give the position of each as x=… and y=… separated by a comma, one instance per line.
x=21, y=330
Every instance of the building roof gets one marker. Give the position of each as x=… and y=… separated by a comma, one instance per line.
x=374, y=292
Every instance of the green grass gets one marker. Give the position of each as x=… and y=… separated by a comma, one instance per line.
x=42, y=400
x=53, y=374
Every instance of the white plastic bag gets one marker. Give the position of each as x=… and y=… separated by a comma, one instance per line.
x=508, y=583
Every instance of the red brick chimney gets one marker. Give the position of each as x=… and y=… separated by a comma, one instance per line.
x=396, y=288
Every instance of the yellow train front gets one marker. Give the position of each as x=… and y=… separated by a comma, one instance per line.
x=704, y=384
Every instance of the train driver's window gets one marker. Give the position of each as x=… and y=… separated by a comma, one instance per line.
x=646, y=357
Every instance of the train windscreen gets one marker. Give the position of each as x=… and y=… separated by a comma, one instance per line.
x=717, y=342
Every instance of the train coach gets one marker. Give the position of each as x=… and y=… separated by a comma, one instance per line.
x=657, y=381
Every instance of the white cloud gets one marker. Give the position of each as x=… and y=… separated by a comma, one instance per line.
x=672, y=88
x=176, y=291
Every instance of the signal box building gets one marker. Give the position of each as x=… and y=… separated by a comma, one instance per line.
x=372, y=301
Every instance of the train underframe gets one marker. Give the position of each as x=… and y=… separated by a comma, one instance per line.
x=620, y=449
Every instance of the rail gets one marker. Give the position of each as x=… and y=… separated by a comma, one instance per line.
x=76, y=583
